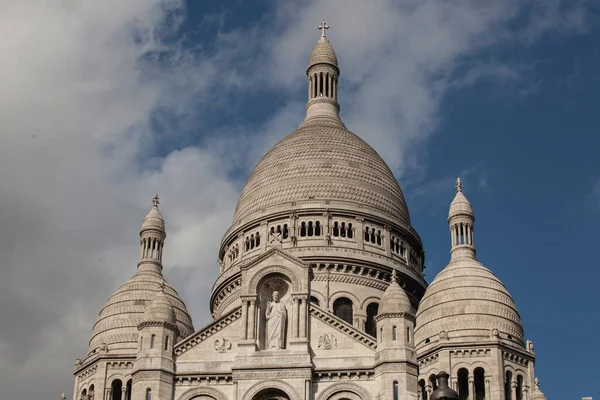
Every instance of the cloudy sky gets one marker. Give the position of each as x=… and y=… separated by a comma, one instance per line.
x=104, y=103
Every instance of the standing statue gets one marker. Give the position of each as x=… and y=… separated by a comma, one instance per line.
x=276, y=314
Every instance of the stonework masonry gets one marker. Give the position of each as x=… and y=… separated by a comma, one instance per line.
x=321, y=293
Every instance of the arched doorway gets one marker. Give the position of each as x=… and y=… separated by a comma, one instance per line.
x=271, y=394
x=342, y=308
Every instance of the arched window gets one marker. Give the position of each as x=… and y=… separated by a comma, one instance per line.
x=507, y=386
x=128, y=392
x=115, y=389
x=395, y=388
x=252, y=241
x=422, y=389
x=371, y=325
x=315, y=301
x=433, y=381
x=247, y=243
x=394, y=333
x=152, y=341
x=350, y=232
x=343, y=230
x=379, y=238
x=257, y=239
x=83, y=394
x=303, y=229
x=317, y=228
x=519, y=387
x=342, y=308
x=373, y=235
x=463, y=383
x=366, y=233
x=479, y=376
x=336, y=229
x=310, y=228
x=148, y=394
x=91, y=392
x=285, y=231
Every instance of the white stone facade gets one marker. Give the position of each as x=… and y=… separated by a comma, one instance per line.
x=321, y=293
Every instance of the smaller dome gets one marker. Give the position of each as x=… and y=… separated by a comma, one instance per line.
x=395, y=300
x=160, y=309
x=154, y=220
x=537, y=392
x=460, y=206
x=322, y=53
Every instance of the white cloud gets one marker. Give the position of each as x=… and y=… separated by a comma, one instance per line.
x=81, y=82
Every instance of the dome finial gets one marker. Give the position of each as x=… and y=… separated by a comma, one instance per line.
x=155, y=201
x=394, y=277
x=322, y=28
x=459, y=185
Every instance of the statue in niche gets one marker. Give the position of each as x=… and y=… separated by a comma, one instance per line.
x=276, y=315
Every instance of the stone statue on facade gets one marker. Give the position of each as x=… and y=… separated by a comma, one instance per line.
x=276, y=315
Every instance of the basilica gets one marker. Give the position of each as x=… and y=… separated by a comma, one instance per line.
x=321, y=293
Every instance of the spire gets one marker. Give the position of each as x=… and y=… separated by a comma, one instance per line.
x=323, y=74
x=152, y=237
x=461, y=220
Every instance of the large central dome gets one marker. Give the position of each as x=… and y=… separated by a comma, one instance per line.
x=322, y=161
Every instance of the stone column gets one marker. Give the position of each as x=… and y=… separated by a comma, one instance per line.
x=488, y=383
x=124, y=392
x=252, y=318
x=107, y=394
x=244, y=319
x=513, y=390
x=360, y=230
x=303, y=307
x=472, y=387
x=295, y=317
x=386, y=241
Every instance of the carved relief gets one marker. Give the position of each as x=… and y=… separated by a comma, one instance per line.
x=326, y=342
x=222, y=345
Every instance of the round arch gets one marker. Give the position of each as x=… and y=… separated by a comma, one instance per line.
x=469, y=366
x=355, y=302
x=369, y=300
x=274, y=270
x=271, y=384
x=319, y=297
x=206, y=391
x=349, y=391
x=114, y=377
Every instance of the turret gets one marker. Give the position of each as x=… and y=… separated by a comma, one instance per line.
x=395, y=343
x=157, y=334
x=461, y=220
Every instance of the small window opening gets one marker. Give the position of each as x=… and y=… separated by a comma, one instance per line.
x=350, y=233
x=152, y=341
x=317, y=228
x=394, y=333
x=336, y=230
x=310, y=228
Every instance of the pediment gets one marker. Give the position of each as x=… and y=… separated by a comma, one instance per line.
x=273, y=252
x=219, y=339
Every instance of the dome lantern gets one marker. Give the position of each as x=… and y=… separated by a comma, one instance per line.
x=323, y=73
x=152, y=237
x=461, y=220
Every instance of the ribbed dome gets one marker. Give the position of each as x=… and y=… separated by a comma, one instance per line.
x=118, y=320
x=467, y=302
x=460, y=206
x=160, y=310
x=322, y=53
x=395, y=300
x=322, y=161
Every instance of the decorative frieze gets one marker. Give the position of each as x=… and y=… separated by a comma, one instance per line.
x=87, y=372
x=517, y=359
x=351, y=375
x=432, y=359
x=470, y=353
x=152, y=376
x=203, y=379
x=121, y=364
x=395, y=368
x=222, y=345
x=272, y=374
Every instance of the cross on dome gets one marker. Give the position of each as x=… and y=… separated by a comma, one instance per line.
x=155, y=201
x=322, y=27
x=459, y=185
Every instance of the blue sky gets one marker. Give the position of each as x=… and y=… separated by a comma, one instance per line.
x=109, y=102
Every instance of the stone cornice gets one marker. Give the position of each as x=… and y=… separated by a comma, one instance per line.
x=408, y=316
x=214, y=327
x=343, y=327
x=162, y=324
